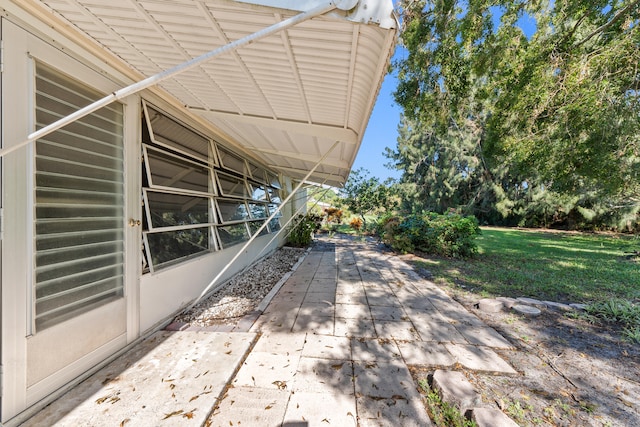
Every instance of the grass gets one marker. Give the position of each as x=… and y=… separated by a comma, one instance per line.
x=442, y=413
x=565, y=267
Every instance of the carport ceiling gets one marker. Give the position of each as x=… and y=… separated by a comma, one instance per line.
x=286, y=99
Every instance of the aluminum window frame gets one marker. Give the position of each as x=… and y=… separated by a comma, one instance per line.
x=245, y=175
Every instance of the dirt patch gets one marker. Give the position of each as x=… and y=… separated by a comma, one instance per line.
x=573, y=373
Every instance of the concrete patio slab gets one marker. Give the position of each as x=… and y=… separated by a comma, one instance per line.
x=324, y=376
x=322, y=309
x=438, y=331
x=327, y=347
x=391, y=412
x=396, y=330
x=426, y=353
x=361, y=328
x=352, y=311
x=267, y=370
x=483, y=335
x=280, y=343
x=250, y=406
x=353, y=298
x=390, y=380
x=171, y=378
x=320, y=297
x=388, y=300
x=314, y=324
x=479, y=358
x=380, y=312
x=372, y=350
x=308, y=409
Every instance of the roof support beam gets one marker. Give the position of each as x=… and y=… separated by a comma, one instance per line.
x=297, y=173
x=322, y=8
x=334, y=133
x=341, y=164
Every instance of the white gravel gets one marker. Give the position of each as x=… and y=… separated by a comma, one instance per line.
x=242, y=293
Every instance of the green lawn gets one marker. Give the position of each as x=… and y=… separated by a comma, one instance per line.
x=565, y=267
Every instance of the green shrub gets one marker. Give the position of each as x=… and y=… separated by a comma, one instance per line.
x=450, y=235
x=302, y=229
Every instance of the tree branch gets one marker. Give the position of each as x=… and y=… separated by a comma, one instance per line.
x=613, y=20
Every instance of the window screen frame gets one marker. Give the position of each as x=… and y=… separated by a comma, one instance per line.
x=238, y=170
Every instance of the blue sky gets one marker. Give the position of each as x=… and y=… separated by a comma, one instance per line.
x=381, y=132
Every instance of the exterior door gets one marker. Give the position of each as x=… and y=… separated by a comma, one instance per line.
x=66, y=292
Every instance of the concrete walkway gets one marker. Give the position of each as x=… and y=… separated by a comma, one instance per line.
x=331, y=349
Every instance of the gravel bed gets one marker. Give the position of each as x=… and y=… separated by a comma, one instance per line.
x=243, y=292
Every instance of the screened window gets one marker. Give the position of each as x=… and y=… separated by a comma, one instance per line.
x=232, y=186
x=169, y=210
x=169, y=247
x=166, y=170
x=257, y=191
x=258, y=173
x=232, y=161
x=274, y=225
x=194, y=204
x=254, y=226
x=79, y=201
x=233, y=234
x=232, y=210
x=273, y=180
x=170, y=133
x=258, y=210
x=274, y=195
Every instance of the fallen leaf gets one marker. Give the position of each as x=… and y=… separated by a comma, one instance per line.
x=280, y=384
x=123, y=422
x=626, y=402
x=194, y=398
x=173, y=414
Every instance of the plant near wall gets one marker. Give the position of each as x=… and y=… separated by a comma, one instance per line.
x=302, y=229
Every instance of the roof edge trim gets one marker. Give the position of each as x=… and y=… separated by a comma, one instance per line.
x=378, y=12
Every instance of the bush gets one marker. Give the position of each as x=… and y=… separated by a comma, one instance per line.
x=355, y=223
x=334, y=215
x=450, y=235
x=302, y=229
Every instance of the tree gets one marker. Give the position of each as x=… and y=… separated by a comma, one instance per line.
x=555, y=111
x=362, y=194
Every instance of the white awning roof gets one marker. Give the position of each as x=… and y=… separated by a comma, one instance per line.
x=286, y=98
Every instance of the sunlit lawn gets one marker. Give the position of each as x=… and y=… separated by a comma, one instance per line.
x=569, y=267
